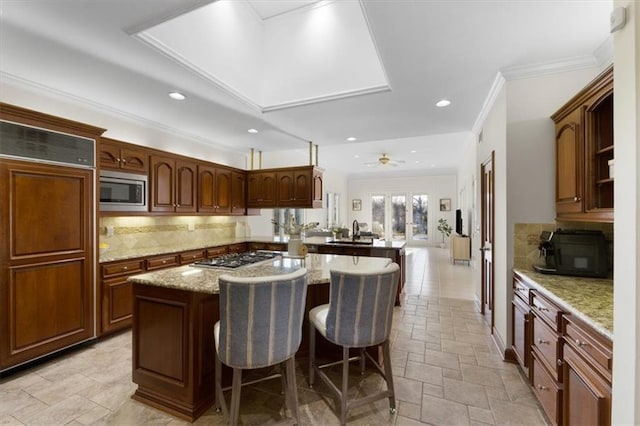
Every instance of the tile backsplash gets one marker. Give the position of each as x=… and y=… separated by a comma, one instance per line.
x=527, y=237
x=135, y=234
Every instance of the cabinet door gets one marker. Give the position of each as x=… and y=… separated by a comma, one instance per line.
x=185, y=197
x=587, y=397
x=569, y=164
x=117, y=304
x=286, y=190
x=223, y=191
x=109, y=155
x=162, y=184
x=317, y=188
x=254, y=190
x=134, y=160
x=206, y=189
x=521, y=332
x=238, y=191
x=302, y=187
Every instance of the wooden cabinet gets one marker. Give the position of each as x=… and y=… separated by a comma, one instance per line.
x=521, y=330
x=238, y=193
x=253, y=246
x=116, y=297
x=261, y=189
x=460, y=248
x=238, y=247
x=587, y=375
x=569, y=364
x=46, y=260
x=584, y=146
x=116, y=155
x=214, y=189
x=173, y=185
x=287, y=187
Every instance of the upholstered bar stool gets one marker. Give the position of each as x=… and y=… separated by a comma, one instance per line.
x=358, y=315
x=260, y=326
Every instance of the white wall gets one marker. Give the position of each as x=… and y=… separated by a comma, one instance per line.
x=436, y=187
x=626, y=297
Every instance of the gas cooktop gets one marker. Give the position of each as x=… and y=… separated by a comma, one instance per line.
x=235, y=260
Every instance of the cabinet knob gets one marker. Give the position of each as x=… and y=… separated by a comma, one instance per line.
x=124, y=268
x=118, y=160
x=164, y=261
x=124, y=160
x=581, y=344
x=542, y=387
x=559, y=362
x=576, y=199
x=543, y=342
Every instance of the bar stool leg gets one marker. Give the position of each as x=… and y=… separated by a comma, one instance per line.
x=388, y=375
x=292, y=392
x=312, y=353
x=236, y=388
x=345, y=385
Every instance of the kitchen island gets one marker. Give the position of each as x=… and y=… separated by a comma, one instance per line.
x=174, y=311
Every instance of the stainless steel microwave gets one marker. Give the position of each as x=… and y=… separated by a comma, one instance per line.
x=126, y=192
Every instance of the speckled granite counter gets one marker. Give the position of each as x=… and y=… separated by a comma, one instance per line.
x=205, y=280
x=131, y=253
x=590, y=299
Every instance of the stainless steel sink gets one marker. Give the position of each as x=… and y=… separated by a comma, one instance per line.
x=362, y=242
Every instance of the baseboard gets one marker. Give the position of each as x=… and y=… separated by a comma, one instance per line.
x=507, y=354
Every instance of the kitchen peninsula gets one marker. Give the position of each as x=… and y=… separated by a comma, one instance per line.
x=174, y=311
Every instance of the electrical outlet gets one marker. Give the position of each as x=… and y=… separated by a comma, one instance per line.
x=191, y=227
x=110, y=231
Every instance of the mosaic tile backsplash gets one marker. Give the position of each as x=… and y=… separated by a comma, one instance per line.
x=527, y=237
x=122, y=235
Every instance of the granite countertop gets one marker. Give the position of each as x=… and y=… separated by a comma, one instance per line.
x=205, y=280
x=589, y=299
x=113, y=255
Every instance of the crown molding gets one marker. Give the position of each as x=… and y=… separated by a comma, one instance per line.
x=604, y=53
x=20, y=82
x=498, y=84
x=547, y=68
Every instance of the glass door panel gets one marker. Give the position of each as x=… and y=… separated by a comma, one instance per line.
x=378, y=214
x=399, y=216
x=419, y=218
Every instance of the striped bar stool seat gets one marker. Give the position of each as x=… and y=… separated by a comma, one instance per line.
x=359, y=314
x=260, y=326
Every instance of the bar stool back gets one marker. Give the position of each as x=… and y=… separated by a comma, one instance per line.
x=260, y=326
x=359, y=315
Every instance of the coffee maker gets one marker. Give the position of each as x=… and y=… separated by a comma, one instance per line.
x=573, y=252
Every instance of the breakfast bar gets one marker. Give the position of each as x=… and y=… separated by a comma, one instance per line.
x=174, y=311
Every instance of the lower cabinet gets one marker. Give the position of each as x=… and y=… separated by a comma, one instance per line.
x=116, y=297
x=568, y=363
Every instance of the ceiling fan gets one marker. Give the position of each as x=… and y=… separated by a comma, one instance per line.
x=384, y=160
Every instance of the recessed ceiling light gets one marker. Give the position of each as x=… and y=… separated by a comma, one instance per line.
x=357, y=156
x=433, y=165
x=351, y=139
x=177, y=96
x=443, y=103
x=413, y=151
x=252, y=131
x=417, y=161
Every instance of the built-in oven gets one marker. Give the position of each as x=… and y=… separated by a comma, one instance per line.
x=125, y=192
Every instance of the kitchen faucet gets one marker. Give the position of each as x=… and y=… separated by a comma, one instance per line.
x=355, y=232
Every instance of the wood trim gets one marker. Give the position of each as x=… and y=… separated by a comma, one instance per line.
x=598, y=83
x=506, y=354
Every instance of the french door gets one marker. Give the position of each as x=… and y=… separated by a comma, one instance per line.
x=400, y=216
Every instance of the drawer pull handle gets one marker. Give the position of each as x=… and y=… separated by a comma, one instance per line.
x=542, y=387
x=559, y=362
x=164, y=261
x=543, y=342
x=581, y=344
x=124, y=268
x=542, y=308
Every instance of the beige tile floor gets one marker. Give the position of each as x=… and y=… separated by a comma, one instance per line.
x=446, y=371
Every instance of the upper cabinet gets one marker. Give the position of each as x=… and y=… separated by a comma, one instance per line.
x=584, y=147
x=116, y=155
x=216, y=190
x=173, y=185
x=287, y=187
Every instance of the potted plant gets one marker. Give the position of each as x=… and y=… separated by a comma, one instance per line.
x=444, y=229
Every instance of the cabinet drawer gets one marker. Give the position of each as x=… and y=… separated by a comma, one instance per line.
x=546, y=390
x=593, y=348
x=216, y=251
x=546, y=310
x=546, y=341
x=191, y=256
x=122, y=268
x=237, y=248
x=162, y=262
x=521, y=290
